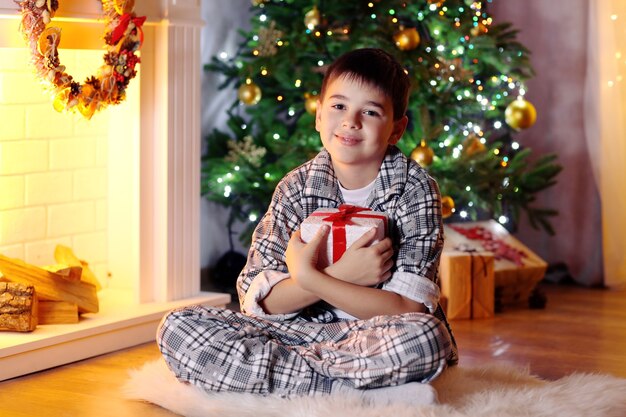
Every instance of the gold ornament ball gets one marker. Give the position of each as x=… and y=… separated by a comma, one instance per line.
x=312, y=18
x=407, y=39
x=423, y=154
x=520, y=114
x=249, y=94
x=447, y=206
x=310, y=103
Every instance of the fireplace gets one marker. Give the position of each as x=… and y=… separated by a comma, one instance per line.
x=121, y=189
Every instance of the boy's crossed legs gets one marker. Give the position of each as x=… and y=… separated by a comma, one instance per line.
x=384, y=360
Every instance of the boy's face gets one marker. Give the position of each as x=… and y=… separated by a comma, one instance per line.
x=355, y=122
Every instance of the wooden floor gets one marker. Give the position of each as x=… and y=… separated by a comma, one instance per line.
x=580, y=330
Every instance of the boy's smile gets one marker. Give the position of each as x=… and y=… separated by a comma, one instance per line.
x=355, y=121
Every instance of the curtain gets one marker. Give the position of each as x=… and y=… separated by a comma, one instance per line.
x=557, y=38
x=605, y=128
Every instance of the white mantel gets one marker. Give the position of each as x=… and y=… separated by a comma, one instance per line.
x=169, y=130
x=167, y=187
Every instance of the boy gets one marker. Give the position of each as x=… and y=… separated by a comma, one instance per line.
x=369, y=324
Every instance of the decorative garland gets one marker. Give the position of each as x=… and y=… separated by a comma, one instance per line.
x=123, y=37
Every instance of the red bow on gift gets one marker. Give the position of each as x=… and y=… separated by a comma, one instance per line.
x=125, y=20
x=340, y=220
x=345, y=214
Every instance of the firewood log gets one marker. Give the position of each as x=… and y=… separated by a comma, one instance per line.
x=51, y=286
x=18, y=307
x=57, y=312
x=65, y=255
x=73, y=273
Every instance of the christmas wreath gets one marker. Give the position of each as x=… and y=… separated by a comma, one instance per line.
x=123, y=38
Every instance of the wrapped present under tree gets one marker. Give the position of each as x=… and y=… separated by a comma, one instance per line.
x=467, y=284
x=517, y=269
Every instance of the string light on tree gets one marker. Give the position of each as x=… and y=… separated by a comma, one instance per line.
x=463, y=68
x=479, y=28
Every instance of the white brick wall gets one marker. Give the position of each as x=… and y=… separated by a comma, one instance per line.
x=53, y=167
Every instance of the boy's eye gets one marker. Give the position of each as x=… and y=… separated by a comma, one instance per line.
x=338, y=106
x=371, y=113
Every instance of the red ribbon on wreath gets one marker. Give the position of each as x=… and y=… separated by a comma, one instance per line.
x=125, y=20
x=342, y=218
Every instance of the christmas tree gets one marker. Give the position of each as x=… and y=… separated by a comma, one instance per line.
x=466, y=105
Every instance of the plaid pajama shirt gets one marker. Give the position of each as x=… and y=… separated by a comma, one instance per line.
x=308, y=351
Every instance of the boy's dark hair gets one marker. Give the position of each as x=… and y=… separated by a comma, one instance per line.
x=376, y=67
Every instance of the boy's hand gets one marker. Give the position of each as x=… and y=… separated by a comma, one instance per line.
x=362, y=264
x=302, y=258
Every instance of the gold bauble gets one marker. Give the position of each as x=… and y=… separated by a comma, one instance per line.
x=258, y=2
x=472, y=145
x=249, y=93
x=312, y=18
x=423, y=154
x=520, y=114
x=123, y=6
x=310, y=103
x=447, y=206
x=407, y=39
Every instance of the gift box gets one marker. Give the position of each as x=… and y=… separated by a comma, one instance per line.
x=467, y=284
x=517, y=269
x=348, y=223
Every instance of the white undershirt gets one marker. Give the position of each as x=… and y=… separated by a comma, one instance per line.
x=359, y=196
x=356, y=197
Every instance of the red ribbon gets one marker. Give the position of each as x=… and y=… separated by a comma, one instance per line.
x=340, y=220
x=125, y=20
x=489, y=242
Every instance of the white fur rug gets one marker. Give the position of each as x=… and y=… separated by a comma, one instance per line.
x=493, y=391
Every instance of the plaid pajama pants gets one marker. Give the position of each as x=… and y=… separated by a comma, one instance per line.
x=222, y=350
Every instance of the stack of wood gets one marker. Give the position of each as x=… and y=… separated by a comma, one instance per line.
x=58, y=294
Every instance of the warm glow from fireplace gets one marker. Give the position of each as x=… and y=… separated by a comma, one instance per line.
x=121, y=190
x=64, y=179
